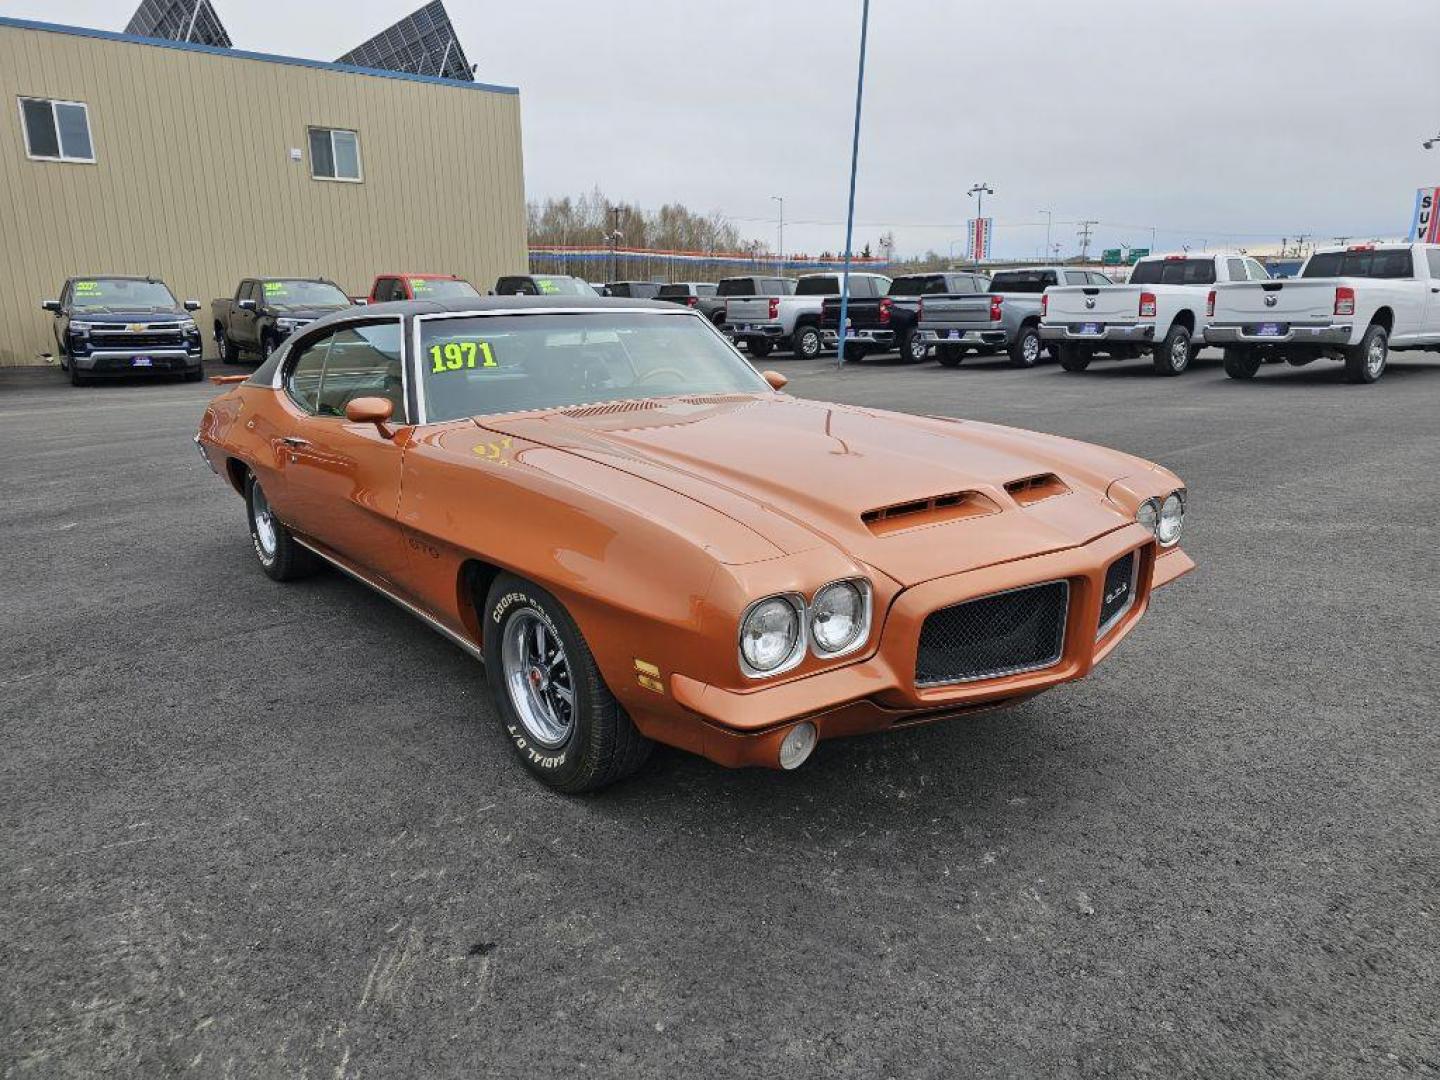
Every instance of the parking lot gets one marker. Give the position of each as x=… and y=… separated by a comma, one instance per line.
x=259, y=830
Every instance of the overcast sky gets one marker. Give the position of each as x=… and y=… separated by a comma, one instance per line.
x=1229, y=121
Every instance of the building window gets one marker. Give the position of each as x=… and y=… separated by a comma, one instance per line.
x=334, y=154
x=56, y=130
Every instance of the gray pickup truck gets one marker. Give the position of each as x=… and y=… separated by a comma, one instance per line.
x=1007, y=317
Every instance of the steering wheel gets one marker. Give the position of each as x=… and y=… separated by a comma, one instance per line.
x=653, y=372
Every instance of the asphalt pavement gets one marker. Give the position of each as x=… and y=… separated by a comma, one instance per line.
x=250, y=829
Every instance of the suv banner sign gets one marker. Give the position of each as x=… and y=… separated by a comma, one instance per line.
x=977, y=247
x=1425, y=225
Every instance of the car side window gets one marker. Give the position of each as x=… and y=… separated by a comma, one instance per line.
x=1076, y=277
x=1257, y=272
x=1433, y=255
x=328, y=372
x=1235, y=269
x=384, y=290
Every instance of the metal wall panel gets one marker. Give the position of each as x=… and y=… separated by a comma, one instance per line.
x=194, y=182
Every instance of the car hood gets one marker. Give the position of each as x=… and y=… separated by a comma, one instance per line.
x=803, y=474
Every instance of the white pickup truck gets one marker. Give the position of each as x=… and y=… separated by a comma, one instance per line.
x=793, y=322
x=1355, y=304
x=1161, y=310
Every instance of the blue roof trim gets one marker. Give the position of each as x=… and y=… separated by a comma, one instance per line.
x=270, y=58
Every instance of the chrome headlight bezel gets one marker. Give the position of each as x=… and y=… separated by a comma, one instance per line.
x=1151, y=516
x=797, y=606
x=187, y=325
x=289, y=324
x=80, y=326
x=863, y=589
x=1175, y=499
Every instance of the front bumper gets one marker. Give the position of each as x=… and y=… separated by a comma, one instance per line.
x=738, y=728
x=137, y=361
x=963, y=336
x=1247, y=333
x=1125, y=333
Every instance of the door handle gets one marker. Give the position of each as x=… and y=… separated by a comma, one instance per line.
x=292, y=441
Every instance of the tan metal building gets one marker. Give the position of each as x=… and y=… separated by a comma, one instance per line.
x=126, y=155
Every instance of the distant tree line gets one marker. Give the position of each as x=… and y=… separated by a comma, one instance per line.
x=593, y=217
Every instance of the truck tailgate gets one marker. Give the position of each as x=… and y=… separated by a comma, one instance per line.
x=1289, y=301
x=748, y=309
x=1072, y=303
x=956, y=310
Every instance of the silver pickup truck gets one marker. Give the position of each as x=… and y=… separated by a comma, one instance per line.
x=1007, y=317
x=793, y=322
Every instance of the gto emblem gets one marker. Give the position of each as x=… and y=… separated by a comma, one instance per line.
x=1089, y=301
x=1271, y=301
x=1120, y=590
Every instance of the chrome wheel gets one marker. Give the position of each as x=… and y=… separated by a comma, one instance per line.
x=809, y=343
x=537, y=678
x=1180, y=353
x=222, y=346
x=1031, y=350
x=263, y=521
x=1375, y=356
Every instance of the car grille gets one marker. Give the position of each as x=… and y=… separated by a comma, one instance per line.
x=1004, y=634
x=1119, y=592
x=125, y=339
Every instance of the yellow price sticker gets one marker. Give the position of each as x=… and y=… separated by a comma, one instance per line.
x=460, y=355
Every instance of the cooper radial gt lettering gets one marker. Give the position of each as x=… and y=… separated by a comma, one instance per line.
x=686, y=557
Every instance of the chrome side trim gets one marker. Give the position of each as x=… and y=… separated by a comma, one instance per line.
x=424, y=616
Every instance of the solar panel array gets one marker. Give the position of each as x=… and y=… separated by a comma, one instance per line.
x=422, y=43
x=179, y=20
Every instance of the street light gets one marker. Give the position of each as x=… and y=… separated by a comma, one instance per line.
x=854, y=171
x=781, y=200
x=1429, y=144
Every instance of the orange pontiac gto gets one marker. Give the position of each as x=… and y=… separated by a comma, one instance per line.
x=645, y=540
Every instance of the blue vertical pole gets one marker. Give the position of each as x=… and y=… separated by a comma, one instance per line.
x=854, y=166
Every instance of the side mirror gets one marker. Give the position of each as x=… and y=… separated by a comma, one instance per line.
x=50, y=305
x=775, y=379
x=192, y=305
x=360, y=301
x=246, y=305
x=371, y=410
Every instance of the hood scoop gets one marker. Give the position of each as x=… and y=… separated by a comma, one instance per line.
x=919, y=513
x=1034, y=489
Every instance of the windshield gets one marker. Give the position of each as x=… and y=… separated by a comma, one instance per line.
x=121, y=294
x=559, y=285
x=289, y=294
x=475, y=366
x=1022, y=281
x=442, y=289
x=1391, y=263
x=1174, y=272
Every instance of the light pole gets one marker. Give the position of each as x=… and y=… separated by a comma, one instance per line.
x=958, y=240
x=1049, y=221
x=979, y=190
x=854, y=168
x=781, y=200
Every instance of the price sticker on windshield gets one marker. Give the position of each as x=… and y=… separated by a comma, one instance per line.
x=460, y=356
x=275, y=288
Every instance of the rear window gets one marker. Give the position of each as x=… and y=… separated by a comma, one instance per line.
x=918, y=285
x=1022, y=281
x=737, y=286
x=1391, y=263
x=824, y=285
x=1174, y=272
x=670, y=291
x=704, y=290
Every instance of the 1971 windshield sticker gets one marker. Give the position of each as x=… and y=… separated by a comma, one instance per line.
x=460, y=355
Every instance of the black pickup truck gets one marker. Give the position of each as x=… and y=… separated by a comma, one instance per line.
x=265, y=311
x=890, y=321
x=124, y=326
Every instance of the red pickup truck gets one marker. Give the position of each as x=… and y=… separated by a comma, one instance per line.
x=420, y=287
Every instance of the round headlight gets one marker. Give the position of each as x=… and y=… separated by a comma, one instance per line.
x=1172, y=519
x=770, y=634
x=837, y=617
x=1149, y=515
